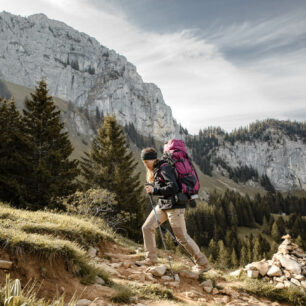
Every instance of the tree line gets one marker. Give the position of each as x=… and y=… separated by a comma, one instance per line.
x=36, y=168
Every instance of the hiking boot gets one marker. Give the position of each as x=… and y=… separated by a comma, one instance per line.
x=146, y=262
x=201, y=268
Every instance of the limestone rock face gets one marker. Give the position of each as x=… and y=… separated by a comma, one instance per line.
x=79, y=69
x=283, y=161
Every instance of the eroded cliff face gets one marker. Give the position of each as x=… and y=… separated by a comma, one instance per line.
x=78, y=69
x=282, y=159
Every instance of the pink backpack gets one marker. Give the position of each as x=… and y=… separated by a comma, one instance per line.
x=175, y=154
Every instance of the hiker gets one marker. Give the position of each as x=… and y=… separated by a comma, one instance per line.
x=166, y=187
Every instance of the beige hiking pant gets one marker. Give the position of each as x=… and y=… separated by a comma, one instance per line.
x=177, y=221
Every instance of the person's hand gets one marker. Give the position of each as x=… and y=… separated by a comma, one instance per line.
x=149, y=189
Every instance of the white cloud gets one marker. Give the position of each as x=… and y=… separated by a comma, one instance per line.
x=201, y=86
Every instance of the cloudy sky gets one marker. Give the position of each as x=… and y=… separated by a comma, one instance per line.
x=220, y=63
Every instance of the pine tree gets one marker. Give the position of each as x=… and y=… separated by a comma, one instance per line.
x=243, y=256
x=234, y=259
x=13, y=146
x=213, y=248
x=265, y=226
x=52, y=174
x=223, y=258
x=299, y=241
x=275, y=232
x=257, y=251
x=110, y=166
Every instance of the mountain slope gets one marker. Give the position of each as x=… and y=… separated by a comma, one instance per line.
x=78, y=69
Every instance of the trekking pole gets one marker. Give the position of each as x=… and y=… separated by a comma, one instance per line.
x=161, y=234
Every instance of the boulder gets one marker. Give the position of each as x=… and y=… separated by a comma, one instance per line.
x=274, y=271
x=280, y=286
x=253, y=273
x=288, y=263
x=92, y=252
x=262, y=267
x=206, y=283
x=157, y=270
x=295, y=282
x=208, y=289
x=189, y=274
x=100, y=280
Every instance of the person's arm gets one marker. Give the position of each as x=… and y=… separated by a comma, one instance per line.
x=169, y=177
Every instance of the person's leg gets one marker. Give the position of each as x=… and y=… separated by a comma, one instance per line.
x=177, y=221
x=148, y=231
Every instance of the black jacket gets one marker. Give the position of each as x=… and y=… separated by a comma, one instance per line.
x=167, y=188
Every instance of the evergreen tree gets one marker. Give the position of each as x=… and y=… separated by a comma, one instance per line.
x=243, y=256
x=265, y=226
x=13, y=145
x=213, y=248
x=234, y=259
x=223, y=258
x=110, y=166
x=299, y=241
x=275, y=232
x=51, y=173
x=257, y=252
x=273, y=250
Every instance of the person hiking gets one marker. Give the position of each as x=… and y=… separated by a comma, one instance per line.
x=164, y=184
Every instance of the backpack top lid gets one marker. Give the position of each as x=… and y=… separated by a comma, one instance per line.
x=175, y=144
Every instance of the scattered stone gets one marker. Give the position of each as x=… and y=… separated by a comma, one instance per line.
x=116, y=265
x=5, y=264
x=295, y=282
x=303, y=283
x=166, y=278
x=92, y=252
x=262, y=267
x=108, y=268
x=203, y=300
x=206, y=283
x=274, y=271
x=172, y=284
x=215, y=291
x=149, y=277
x=280, y=286
x=189, y=274
x=225, y=299
x=83, y=302
x=100, y=280
x=208, y=289
x=253, y=273
x=192, y=294
x=157, y=270
x=288, y=263
x=126, y=264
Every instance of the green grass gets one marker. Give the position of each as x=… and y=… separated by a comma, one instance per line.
x=51, y=235
x=262, y=288
x=124, y=294
x=12, y=294
x=152, y=291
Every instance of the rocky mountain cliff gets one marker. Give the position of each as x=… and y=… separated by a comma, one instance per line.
x=78, y=69
x=269, y=152
x=92, y=79
x=283, y=162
